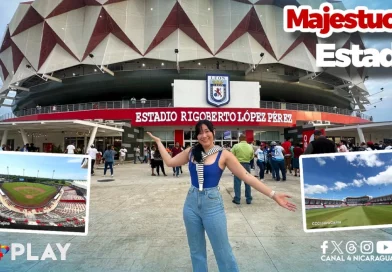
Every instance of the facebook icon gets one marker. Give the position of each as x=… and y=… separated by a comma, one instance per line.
x=324, y=247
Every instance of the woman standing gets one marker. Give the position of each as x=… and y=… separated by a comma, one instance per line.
x=203, y=210
x=159, y=162
x=152, y=160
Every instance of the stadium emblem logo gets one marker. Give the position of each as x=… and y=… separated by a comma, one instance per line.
x=3, y=250
x=218, y=90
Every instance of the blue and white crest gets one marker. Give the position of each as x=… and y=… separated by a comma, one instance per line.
x=218, y=90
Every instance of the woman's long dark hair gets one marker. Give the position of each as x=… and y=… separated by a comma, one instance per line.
x=198, y=148
x=157, y=154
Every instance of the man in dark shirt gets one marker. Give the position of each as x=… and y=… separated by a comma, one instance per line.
x=320, y=145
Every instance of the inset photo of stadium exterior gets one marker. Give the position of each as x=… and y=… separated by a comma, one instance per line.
x=345, y=191
x=43, y=193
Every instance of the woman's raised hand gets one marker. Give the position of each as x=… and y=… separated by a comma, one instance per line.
x=283, y=202
x=156, y=139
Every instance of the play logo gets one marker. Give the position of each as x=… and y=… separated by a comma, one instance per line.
x=384, y=247
x=3, y=250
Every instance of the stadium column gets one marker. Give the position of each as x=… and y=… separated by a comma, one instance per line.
x=249, y=136
x=92, y=137
x=360, y=134
x=5, y=137
x=179, y=137
x=24, y=136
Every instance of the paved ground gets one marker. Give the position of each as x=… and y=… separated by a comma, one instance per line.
x=136, y=225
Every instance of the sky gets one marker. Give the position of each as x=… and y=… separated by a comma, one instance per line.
x=354, y=174
x=64, y=167
x=378, y=78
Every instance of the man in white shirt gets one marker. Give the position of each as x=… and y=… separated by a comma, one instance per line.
x=92, y=152
x=261, y=160
x=137, y=155
x=123, y=152
x=71, y=149
x=389, y=146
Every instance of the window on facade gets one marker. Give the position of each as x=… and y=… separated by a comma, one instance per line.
x=219, y=135
x=170, y=135
x=167, y=138
x=267, y=136
x=117, y=142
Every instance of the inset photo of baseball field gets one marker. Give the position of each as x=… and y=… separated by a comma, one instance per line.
x=345, y=191
x=42, y=192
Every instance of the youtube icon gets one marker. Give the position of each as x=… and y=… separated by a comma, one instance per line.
x=384, y=247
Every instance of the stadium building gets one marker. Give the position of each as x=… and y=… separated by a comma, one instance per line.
x=161, y=65
x=354, y=201
x=381, y=200
x=320, y=203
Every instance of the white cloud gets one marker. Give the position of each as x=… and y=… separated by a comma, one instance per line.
x=359, y=175
x=315, y=189
x=381, y=178
x=321, y=161
x=364, y=159
x=357, y=182
x=339, y=186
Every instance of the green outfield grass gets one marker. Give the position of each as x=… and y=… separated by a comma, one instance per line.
x=349, y=216
x=29, y=194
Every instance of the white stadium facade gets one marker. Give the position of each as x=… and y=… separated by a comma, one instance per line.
x=124, y=62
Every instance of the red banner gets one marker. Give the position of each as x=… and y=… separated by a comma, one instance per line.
x=219, y=117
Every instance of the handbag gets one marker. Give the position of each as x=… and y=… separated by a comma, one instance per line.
x=84, y=163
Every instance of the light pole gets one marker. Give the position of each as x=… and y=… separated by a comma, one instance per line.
x=37, y=173
x=8, y=175
x=53, y=174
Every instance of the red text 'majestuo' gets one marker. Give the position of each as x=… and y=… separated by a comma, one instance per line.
x=327, y=20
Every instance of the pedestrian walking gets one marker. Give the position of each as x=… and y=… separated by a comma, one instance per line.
x=108, y=156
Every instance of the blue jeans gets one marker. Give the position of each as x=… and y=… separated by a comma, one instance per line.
x=273, y=172
x=237, y=186
x=279, y=165
x=261, y=165
x=204, y=212
x=176, y=170
x=110, y=164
